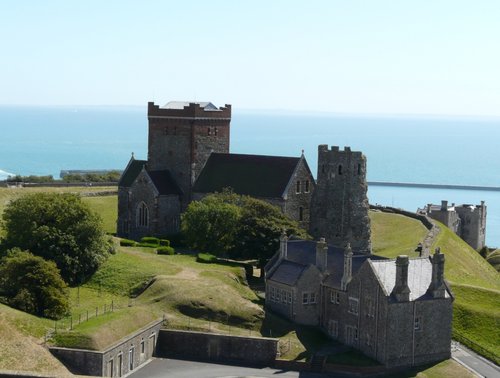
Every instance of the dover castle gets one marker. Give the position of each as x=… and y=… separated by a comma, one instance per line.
x=396, y=311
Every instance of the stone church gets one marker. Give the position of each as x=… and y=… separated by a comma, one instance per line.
x=188, y=158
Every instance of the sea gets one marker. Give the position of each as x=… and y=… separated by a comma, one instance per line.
x=411, y=149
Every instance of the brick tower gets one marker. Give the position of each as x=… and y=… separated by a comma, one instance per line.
x=339, y=208
x=182, y=135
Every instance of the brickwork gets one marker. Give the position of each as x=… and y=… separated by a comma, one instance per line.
x=339, y=203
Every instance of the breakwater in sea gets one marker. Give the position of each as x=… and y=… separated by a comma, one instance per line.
x=434, y=186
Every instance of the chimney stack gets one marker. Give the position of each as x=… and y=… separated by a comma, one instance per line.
x=401, y=290
x=346, y=277
x=444, y=205
x=283, y=245
x=437, y=288
x=321, y=254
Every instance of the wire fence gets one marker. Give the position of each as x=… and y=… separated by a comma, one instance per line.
x=476, y=347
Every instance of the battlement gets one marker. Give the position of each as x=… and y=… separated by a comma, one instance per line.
x=200, y=110
x=335, y=150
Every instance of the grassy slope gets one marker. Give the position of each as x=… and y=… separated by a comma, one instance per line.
x=107, y=207
x=475, y=283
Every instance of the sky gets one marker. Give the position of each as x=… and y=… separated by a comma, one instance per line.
x=437, y=57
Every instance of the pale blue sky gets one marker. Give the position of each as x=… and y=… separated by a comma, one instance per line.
x=349, y=56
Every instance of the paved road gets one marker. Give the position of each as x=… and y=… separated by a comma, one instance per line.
x=159, y=368
x=479, y=365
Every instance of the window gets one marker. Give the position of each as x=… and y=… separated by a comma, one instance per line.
x=289, y=296
x=142, y=346
x=131, y=359
x=278, y=295
x=312, y=298
x=209, y=131
x=359, y=169
x=216, y=131
x=340, y=169
x=418, y=323
x=297, y=189
x=273, y=292
x=305, y=298
x=301, y=213
x=333, y=328
x=335, y=297
x=353, y=305
x=143, y=215
x=284, y=296
x=306, y=189
x=351, y=335
x=370, y=308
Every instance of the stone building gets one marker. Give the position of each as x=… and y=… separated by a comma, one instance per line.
x=467, y=221
x=188, y=158
x=397, y=312
x=340, y=204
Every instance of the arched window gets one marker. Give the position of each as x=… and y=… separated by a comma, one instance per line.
x=359, y=168
x=340, y=169
x=143, y=215
x=301, y=213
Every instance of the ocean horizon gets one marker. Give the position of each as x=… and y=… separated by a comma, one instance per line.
x=399, y=148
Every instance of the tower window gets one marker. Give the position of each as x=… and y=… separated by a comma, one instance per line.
x=297, y=189
x=216, y=131
x=323, y=168
x=340, y=169
x=301, y=213
x=306, y=190
x=209, y=131
x=359, y=169
x=143, y=215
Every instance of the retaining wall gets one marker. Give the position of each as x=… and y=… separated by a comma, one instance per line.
x=203, y=346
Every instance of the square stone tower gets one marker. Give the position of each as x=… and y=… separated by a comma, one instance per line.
x=182, y=135
x=339, y=208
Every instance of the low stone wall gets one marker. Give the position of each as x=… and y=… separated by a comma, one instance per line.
x=203, y=346
x=117, y=360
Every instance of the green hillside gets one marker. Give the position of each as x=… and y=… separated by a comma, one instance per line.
x=474, y=282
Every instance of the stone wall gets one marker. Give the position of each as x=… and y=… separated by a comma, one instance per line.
x=216, y=347
x=117, y=360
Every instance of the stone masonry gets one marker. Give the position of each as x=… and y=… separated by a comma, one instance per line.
x=339, y=209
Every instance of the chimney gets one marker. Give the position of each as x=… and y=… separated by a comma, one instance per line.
x=429, y=206
x=444, y=205
x=437, y=288
x=321, y=254
x=283, y=245
x=401, y=290
x=346, y=277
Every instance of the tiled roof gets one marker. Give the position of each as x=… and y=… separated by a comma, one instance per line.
x=164, y=182
x=253, y=175
x=419, y=276
x=288, y=272
x=133, y=169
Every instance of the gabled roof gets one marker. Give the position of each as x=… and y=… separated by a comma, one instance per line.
x=164, y=182
x=133, y=169
x=253, y=175
x=207, y=106
x=288, y=272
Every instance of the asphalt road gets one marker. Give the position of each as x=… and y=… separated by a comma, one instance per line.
x=159, y=368
x=479, y=365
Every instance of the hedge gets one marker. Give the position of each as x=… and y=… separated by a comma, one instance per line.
x=127, y=243
x=206, y=258
x=165, y=251
x=150, y=240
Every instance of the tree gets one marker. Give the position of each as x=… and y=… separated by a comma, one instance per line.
x=209, y=225
x=33, y=285
x=57, y=227
x=239, y=226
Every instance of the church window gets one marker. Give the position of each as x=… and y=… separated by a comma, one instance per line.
x=353, y=306
x=340, y=169
x=305, y=298
x=297, y=188
x=306, y=190
x=335, y=297
x=143, y=215
x=301, y=213
x=312, y=298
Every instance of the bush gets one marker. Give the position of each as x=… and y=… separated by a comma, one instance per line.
x=32, y=284
x=165, y=251
x=165, y=242
x=177, y=240
x=127, y=243
x=150, y=240
x=206, y=258
x=147, y=245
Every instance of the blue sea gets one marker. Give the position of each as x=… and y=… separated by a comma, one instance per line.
x=439, y=150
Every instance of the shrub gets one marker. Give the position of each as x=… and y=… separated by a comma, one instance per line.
x=147, y=245
x=127, y=243
x=206, y=258
x=165, y=250
x=150, y=240
x=165, y=242
x=177, y=240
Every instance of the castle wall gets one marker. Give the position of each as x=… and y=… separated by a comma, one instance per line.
x=473, y=225
x=340, y=203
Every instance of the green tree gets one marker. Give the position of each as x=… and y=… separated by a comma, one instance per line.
x=57, y=227
x=33, y=285
x=209, y=225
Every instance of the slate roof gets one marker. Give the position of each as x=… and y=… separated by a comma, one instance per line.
x=133, y=169
x=207, y=106
x=164, y=182
x=253, y=175
x=288, y=272
x=419, y=276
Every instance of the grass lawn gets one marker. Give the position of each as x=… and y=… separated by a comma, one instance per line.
x=107, y=208
x=394, y=234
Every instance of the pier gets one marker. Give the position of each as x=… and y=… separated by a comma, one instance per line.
x=434, y=186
